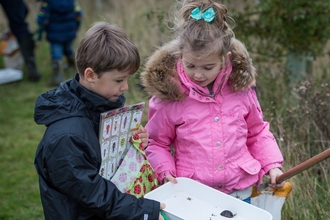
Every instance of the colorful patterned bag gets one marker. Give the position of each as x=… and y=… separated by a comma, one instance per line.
x=135, y=175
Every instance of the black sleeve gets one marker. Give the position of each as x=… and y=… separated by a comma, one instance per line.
x=72, y=168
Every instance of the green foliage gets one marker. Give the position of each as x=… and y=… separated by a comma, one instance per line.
x=315, y=98
x=158, y=14
x=299, y=117
x=301, y=26
x=302, y=131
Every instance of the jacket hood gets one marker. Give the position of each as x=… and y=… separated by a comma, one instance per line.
x=71, y=99
x=160, y=77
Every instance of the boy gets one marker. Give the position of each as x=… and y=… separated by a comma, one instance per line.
x=68, y=157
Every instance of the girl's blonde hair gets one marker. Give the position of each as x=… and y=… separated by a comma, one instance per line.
x=199, y=37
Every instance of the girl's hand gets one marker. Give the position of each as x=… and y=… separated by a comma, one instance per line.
x=162, y=206
x=273, y=173
x=170, y=178
x=143, y=135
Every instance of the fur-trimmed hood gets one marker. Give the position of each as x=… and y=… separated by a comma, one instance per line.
x=160, y=77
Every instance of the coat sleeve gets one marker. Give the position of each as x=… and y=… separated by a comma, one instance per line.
x=260, y=141
x=42, y=20
x=161, y=137
x=78, y=14
x=72, y=169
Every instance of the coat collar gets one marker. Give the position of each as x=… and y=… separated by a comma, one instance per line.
x=160, y=76
x=219, y=83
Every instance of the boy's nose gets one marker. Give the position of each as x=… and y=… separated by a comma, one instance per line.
x=124, y=87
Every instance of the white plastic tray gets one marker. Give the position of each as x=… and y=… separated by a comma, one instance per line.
x=191, y=200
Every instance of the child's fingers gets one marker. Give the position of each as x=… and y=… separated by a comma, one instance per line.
x=171, y=179
x=273, y=174
x=142, y=132
x=143, y=135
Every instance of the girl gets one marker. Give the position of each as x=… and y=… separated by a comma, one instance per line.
x=204, y=106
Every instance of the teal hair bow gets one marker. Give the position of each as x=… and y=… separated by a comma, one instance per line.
x=208, y=15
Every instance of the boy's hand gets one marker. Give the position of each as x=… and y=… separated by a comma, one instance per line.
x=162, y=206
x=273, y=173
x=143, y=135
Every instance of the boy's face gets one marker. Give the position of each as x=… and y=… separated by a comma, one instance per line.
x=110, y=85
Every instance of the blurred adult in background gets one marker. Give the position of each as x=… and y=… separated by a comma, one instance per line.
x=16, y=12
x=60, y=19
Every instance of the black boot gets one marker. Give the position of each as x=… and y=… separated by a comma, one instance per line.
x=26, y=46
x=57, y=66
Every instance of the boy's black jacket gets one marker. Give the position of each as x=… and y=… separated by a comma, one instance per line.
x=68, y=159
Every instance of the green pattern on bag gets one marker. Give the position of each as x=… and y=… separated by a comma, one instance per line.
x=145, y=180
x=133, y=181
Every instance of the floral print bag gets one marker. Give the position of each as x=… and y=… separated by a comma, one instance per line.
x=135, y=175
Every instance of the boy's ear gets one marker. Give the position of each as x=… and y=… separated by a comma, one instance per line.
x=90, y=75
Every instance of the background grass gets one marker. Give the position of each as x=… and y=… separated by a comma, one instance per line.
x=301, y=125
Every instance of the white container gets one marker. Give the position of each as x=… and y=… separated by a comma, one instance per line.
x=191, y=200
x=10, y=75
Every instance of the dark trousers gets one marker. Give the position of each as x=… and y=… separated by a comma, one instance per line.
x=16, y=12
x=60, y=49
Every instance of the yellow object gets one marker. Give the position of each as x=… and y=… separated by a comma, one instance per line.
x=271, y=199
x=283, y=192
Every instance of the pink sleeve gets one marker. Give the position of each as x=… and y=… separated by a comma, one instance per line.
x=260, y=141
x=161, y=136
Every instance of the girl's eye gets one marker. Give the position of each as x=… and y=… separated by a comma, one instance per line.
x=208, y=68
x=188, y=65
x=119, y=81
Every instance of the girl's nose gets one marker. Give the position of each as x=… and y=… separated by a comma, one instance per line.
x=198, y=75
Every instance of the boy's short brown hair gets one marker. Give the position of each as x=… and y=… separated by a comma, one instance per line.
x=106, y=47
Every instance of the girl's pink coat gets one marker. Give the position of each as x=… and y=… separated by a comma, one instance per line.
x=222, y=142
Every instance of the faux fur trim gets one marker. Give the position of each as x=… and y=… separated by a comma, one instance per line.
x=243, y=74
x=159, y=77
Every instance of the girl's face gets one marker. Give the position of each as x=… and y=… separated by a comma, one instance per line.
x=202, y=71
x=110, y=85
